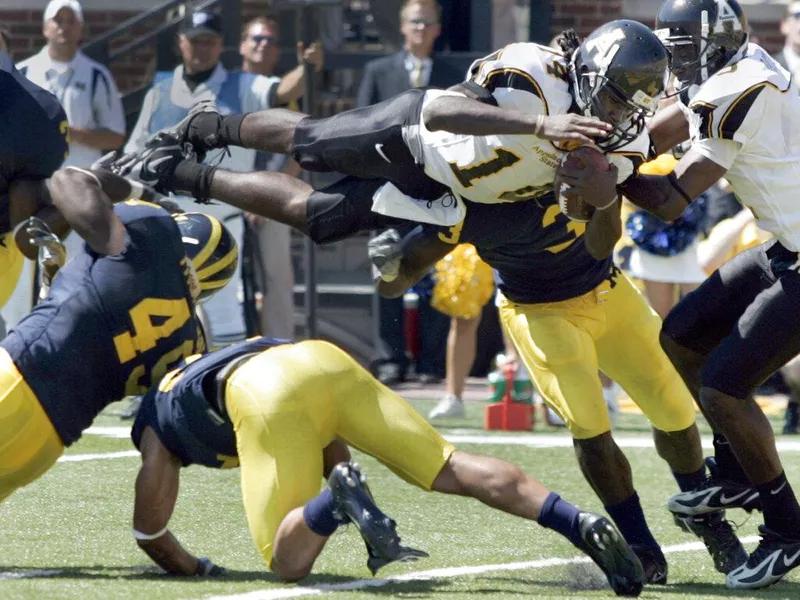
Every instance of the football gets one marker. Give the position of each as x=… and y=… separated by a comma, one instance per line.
x=575, y=208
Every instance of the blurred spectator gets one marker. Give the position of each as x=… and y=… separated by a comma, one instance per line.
x=414, y=66
x=260, y=51
x=464, y=284
x=504, y=23
x=84, y=87
x=789, y=57
x=89, y=96
x=201, y=76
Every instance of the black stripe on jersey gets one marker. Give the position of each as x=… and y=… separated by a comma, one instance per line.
x=706, y=113
x=515, y=79
x=734, y=116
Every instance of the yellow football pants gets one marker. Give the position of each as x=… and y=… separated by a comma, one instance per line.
x=613, y=328
x=29, y=445
x=289, y=402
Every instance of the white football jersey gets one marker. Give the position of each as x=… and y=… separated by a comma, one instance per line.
x=509, y=168
x=746, y=118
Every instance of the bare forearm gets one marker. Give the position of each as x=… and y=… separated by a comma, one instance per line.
x=101, y=139
x=470, y=117
x=168, y=554
x=291, y=86
x=603, y=231
x=88, y=210
x=656, y=195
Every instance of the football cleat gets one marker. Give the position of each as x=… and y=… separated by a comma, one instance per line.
x=654, y=564
x=449, y=407
x=155, y=164
x=773, y=558
x=714, y=494
x=601, y=541
x=717, y=534
x=353, y=502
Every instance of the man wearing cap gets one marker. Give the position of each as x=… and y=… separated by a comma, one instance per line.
x=201, y=76
x=87, y=92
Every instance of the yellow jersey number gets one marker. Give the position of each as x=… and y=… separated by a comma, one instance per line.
x=549, y=219
x=145, y=334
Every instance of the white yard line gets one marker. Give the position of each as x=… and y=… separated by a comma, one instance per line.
x=101, y=456
x=444, y=573
x=32, y=573
x=466, y=436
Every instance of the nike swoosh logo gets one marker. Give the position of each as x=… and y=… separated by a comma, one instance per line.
x=783, y=485
x=723, y=499
x=788, y=560
x=379, y=150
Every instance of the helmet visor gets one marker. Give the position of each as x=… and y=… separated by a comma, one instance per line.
x=624, y=114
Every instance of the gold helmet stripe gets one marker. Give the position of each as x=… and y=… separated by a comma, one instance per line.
x=218, y=266
x=211, y=245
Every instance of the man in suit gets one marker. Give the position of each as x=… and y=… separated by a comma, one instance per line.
x=414, y=66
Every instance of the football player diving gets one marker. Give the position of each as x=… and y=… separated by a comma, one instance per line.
x=118, y=316
x=273, y=407
x=33, y=144
x=566, y=307
x=739, y=109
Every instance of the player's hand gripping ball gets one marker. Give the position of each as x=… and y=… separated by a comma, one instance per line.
x=573, y=206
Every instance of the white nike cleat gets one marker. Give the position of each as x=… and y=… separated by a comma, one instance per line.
x=449, y=407
x=774, y=557
x=714, y=495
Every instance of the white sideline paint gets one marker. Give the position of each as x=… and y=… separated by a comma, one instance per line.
x=104, y=455
x=26, y=574
x=444, y=573
x=465, y=436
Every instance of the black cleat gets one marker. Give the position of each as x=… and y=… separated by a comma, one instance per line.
x=353, y=501
x=717, y=534
x=714, y=495
x=654, y=564
x=601, y=541
x=773, y=558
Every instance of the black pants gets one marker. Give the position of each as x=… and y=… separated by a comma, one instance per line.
x=745, y=319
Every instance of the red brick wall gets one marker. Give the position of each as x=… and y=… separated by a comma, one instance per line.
x=25, y=28
x=131, y=73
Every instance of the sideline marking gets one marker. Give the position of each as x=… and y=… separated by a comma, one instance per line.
x=443, y=573
x=104, y=455
x=26, y=574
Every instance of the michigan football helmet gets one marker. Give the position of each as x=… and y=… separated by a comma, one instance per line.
x=702, y=37
x=210, y=248
x=618, y=74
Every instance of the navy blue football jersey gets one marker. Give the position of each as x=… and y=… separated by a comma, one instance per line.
x=183, y=411
x=112, y=325
x=33, y=133
x=539, y=253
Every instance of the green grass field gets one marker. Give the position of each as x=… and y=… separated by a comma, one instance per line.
x=68, y=534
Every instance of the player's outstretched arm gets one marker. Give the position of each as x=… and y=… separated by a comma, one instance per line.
x=27, y=198
x=156, y=494
x=82, y=200
x=461, y=115
x=668, y=128
x=418, y=251
x=666, y=196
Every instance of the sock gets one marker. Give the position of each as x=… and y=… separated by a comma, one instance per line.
x=629, y=517
x=690, y=481
x=729, y=467
x=192, y=178
x=561, y=516
x=318, y=514
x=780, y=508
